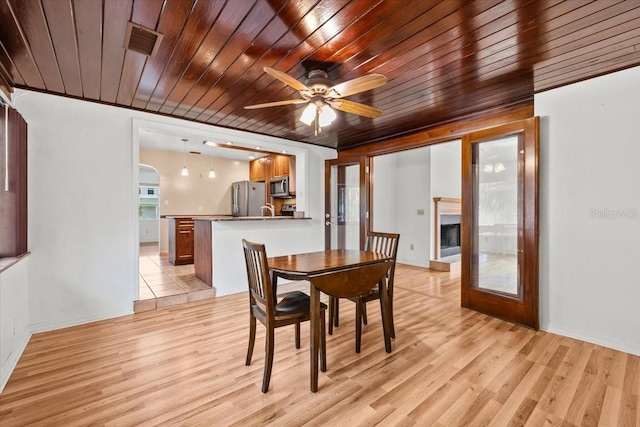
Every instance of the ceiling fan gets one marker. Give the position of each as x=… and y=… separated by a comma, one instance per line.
x=323, y=96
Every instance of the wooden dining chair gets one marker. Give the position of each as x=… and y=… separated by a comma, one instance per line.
x=293, y=308
x=384, y=243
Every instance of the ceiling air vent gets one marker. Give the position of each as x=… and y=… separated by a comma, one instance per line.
x=142, y=39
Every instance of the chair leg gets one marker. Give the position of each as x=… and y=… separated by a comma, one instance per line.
x=359, y=304
x=252, y=338
x=336, y=318
x=268, y=360
x=298, y=335
x=332, y=307
x=393, y=327
x=323, y=343
x=364, y=313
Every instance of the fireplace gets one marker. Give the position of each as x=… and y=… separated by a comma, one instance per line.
x=449, y=235
x=446, y=219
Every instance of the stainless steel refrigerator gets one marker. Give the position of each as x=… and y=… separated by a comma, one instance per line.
x=246, y=198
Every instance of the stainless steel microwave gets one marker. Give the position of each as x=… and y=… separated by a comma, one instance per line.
x=279, y=187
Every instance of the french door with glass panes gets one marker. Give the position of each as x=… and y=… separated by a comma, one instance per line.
x=500, y=221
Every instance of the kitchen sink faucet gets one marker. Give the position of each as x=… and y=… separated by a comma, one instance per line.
x=269, y=207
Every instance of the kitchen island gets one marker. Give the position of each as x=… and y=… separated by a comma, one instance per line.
x=218, y=254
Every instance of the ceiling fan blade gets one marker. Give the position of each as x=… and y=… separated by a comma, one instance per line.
x=277, y=103
x=357, y=85
x=285, y=78
x=355, y=108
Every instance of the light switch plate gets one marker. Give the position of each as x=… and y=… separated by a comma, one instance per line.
x=420, y=211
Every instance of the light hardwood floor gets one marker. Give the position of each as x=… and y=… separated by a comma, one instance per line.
x=184, y=365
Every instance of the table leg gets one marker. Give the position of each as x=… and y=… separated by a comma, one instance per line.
x=384, y=309
x=315, y=335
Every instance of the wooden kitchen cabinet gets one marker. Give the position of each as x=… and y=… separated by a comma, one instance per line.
x=280, y=165
x=180, y=240
x=265, y=168
x=271, y=166
x=256, y=170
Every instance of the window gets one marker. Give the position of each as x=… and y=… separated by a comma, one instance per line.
x=13, y=176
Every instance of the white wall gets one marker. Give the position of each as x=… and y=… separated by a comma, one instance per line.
x=83, y=198
x=82, y=220
x=446, y=176
x=590, y=210
x=196, y=194
x=402, y=188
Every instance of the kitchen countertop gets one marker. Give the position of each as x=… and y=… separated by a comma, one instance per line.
x=246, y=218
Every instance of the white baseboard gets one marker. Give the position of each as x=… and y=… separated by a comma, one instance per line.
x=50, y=326
x=631, y=348
x=12, y=360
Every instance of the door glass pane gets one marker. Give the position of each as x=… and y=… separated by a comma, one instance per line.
x=497, y=214
x=345, y=207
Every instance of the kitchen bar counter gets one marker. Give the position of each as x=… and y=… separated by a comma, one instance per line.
x=218, y=255
x=246, y=218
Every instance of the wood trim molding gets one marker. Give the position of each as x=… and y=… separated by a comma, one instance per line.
x=442, y=133
x=443, y=206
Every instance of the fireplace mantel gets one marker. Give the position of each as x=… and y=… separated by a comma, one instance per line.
x=443, y=206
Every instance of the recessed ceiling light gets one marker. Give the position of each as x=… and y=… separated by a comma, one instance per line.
x=284, y=151
x=251, y=157
x=258, y=148
x=229, y=143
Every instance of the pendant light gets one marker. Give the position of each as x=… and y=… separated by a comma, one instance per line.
x=185, y=171
x=212, y=174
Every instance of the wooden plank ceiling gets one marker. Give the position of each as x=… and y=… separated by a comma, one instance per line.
x=444, y=60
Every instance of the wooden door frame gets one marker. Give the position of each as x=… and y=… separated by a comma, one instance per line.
x=362, y=162
x=525, y=310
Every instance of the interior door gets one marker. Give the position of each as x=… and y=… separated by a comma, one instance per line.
x=344, y=204
x=500, y=222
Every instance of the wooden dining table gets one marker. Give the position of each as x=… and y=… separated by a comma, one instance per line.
x=340, y=273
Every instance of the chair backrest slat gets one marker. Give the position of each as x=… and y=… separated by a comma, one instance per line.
x=258, y=277
x=384, y=243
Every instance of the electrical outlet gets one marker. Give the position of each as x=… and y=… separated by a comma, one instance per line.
x=199, y=208
x=166, y=202
x=411, y=246
x=420, y=211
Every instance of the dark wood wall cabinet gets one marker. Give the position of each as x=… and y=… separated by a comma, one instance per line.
x=271, y=166
x=13, y=179
x=180, y=240
x=265, y=168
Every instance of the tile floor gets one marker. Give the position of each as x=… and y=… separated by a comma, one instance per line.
x=162, y=283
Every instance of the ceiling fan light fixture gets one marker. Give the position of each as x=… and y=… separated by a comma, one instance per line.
x=309, y=114
x=326, y=116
